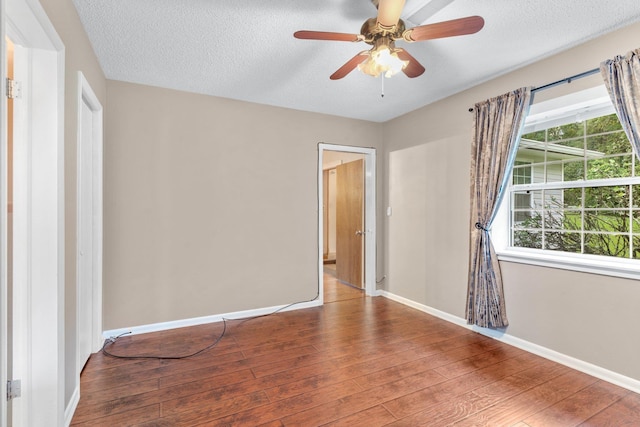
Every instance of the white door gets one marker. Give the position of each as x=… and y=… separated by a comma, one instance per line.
x=85, y=235
x=89, y=248
x=89, y=231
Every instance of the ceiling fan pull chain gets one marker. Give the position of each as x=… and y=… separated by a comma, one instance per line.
x=382, y=89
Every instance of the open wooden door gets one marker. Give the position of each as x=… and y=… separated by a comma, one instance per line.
x=350, y=222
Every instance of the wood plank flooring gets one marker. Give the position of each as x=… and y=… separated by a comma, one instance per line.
x=355, y=361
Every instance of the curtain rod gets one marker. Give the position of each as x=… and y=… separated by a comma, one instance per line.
x=562, y=81
x=566, y=80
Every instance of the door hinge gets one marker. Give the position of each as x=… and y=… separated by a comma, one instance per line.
x=13, y=389
x=14, y=89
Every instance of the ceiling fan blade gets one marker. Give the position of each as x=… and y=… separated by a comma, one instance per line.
x=413, y=68
x=349, y=66
x=389, y=12
x=324, y=35
x=455, y=27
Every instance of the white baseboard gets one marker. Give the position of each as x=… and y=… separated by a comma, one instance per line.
x=577, y=364
x=163, y=326
x=426, y=309
x=71, y=407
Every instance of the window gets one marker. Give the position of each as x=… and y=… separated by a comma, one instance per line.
x=584, y=202
x=574, y=196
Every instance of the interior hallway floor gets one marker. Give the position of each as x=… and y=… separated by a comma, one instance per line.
x=334, y=290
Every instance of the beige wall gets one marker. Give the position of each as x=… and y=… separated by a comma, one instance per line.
x=210, y=203
x=79, y=56
x=426, y=246
x=589, y=317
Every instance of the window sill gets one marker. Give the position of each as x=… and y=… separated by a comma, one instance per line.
x=594, y=264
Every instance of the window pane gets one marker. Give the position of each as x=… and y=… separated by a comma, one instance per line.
x=563, y=220
x=573, y=170
x=606, y=197
x=603, y=124
x=522, y=200
x=565, y=242
x=572, y=197
x=554, y=219
x=611, y=167
x=570, y=130
x=537, y=173
x=527, y=219
x=616, y=245
x=536, y=199
x=536, y=136
x=554, y=172
x=521, y=206
x=608, y=143
x=636, y=247
x=527, y=239
x=571, y=147
x=555, y=133
x=553, y=199
x=636, y=221
x=608, y=221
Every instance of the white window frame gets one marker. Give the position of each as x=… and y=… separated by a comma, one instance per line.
x=583, y=105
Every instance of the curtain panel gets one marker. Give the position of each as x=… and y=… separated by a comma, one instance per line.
x=498, y=124
x=622, y=78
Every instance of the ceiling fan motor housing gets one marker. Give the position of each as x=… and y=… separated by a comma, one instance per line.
x=373, y=30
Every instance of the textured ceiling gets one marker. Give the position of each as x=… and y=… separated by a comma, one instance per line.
x=245, y=49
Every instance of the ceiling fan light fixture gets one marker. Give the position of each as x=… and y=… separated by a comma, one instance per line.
x=382, y=60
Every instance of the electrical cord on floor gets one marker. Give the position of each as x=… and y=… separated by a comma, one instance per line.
x=112, y=340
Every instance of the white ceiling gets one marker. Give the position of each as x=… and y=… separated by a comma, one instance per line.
x=245, y=49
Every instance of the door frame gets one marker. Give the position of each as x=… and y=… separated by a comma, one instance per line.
x=369, y=215
x=3, y=223
x=39, y=301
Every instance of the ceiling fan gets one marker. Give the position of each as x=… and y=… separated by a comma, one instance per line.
x=382, y=32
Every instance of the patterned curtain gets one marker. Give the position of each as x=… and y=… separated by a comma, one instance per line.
x=498, y=124
x=622, y=78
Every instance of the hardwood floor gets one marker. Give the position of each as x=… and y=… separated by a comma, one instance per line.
x=355, y=361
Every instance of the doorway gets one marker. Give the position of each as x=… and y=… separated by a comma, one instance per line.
x=346, y=220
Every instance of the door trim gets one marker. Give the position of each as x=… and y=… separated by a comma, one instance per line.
x=369, y=215
x=3, y=223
